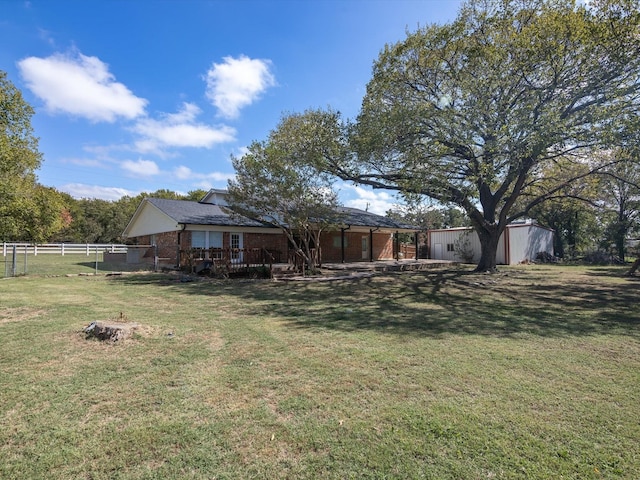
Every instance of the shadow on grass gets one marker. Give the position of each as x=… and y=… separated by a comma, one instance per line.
x=105, y=267
x=434, y=303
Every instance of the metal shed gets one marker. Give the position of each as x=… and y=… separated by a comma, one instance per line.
x=519, y=243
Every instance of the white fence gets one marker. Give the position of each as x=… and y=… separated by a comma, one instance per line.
x=62, y=248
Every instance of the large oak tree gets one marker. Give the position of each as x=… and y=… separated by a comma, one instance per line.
x=620, y=191
x=472, y=113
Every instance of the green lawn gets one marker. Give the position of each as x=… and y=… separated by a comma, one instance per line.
x=70, y=264
x=530, y=373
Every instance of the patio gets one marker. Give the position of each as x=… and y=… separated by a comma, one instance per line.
x=344, y=271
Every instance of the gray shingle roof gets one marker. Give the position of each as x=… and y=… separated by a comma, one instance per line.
x=360, y=218
x=196, y=213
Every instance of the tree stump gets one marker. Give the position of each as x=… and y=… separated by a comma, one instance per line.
x=111, y=332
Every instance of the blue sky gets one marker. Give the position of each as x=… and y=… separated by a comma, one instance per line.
x=138, y=95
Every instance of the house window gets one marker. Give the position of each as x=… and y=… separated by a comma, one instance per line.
x=337, y=242
x=200, y=239
x=235, y=240
x=215, y=239
x=450, y=247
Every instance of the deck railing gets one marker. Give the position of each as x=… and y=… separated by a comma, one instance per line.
x=228, y=260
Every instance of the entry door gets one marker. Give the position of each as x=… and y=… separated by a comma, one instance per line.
x=365, y=248
x=437, y=251
x=236, y=247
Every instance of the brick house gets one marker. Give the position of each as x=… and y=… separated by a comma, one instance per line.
x=177, y=226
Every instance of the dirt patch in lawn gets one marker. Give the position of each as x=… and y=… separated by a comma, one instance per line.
x=19, y=314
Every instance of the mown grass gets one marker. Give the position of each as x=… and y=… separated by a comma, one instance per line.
x=47, y=264
x=530, y=373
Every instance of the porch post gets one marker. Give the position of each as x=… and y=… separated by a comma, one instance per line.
x=178, y=250
x=397, y=242
x=342, y=243
x=415, y=237
x=371, y=245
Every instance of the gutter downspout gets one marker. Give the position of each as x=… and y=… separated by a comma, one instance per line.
x=371, y=230
x=184, y=227
x=397, y=243
x=342, y=230
x=507, y=246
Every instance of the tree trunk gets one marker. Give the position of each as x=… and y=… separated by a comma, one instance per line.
x=488, y=249
x=620, y=248
x=634, y=267
x=558, y=244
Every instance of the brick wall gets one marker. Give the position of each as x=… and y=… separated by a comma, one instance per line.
x=269, y=241
x=332, y=253
x=168, y=244
x=275, y=243
x=383, y=245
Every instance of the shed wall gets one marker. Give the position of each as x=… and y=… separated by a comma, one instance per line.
x=526, y=241
x=519, y=243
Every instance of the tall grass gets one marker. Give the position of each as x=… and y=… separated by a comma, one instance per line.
x=530, y=373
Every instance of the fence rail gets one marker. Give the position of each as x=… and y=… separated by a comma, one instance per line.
x=63, y=248
x=61, y=259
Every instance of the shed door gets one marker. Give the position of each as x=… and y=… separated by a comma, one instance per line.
x=437, y=251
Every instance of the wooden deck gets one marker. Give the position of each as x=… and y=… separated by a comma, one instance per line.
x=225, y=262
x=338, y=271
x=390, y=265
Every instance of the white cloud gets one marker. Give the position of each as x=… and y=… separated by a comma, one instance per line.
x=378, y=202
x=237, y=82
x=185, y=173
x=81, y=86
x=84, y=162
x=79, y=190
x=180, y=130
x=182, y=172
x=141, y=168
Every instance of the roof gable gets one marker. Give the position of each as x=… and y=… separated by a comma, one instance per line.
x=148, y=220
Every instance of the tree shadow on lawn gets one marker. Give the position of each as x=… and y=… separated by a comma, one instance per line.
x=434, y=303
x=106, y=267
